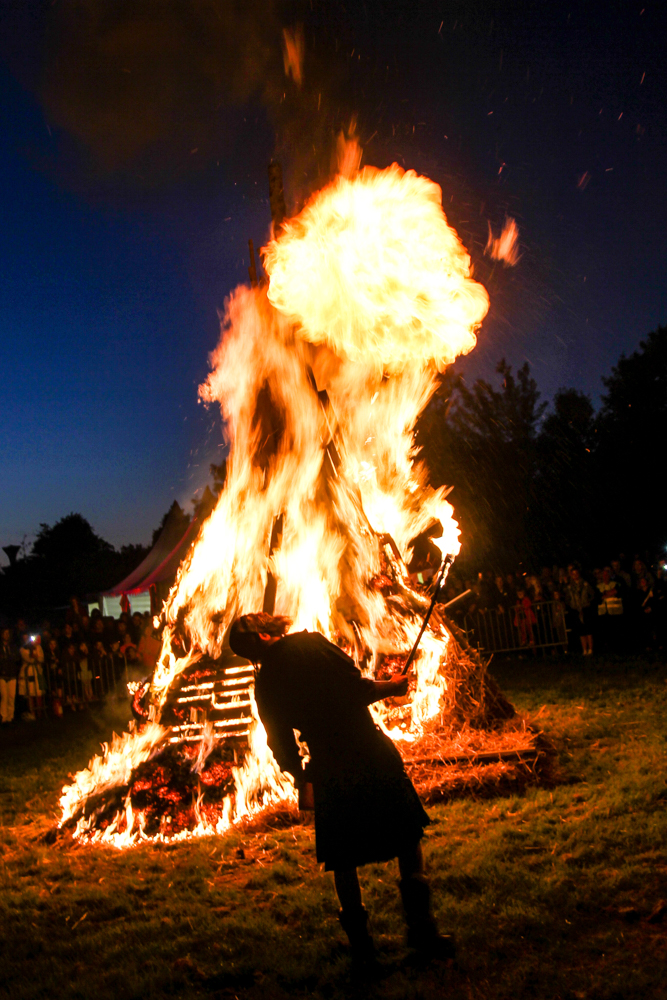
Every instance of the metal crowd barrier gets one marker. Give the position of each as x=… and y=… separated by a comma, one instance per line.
x=513, y=630
x=109, y=677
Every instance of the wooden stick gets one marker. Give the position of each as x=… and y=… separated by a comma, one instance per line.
x=455, y=599
x=441, y=575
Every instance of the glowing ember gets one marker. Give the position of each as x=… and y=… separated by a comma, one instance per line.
x=320, y=378
x=293, y=54
x=506, y=246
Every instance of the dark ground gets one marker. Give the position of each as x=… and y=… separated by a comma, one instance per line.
x=553, y=894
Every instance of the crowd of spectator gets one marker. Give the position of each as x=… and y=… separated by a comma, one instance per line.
x=66, y=667
x=612, y=608
x=618, y=607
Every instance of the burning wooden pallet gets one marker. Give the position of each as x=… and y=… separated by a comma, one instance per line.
x=211, y=694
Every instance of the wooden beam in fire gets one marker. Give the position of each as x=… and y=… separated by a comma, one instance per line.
x=215, y=694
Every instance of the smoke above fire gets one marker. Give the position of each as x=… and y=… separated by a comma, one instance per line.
x=146, y=94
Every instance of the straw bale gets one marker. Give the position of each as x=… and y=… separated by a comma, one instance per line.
x=479, y=763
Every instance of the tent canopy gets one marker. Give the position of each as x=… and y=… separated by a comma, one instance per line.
x=160, y=566
x=172, y=533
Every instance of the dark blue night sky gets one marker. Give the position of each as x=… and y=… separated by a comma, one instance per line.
x=120, y=237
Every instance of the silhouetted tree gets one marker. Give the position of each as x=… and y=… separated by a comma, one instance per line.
x=482, y=440
x=204, y=504
x=180, y=517
x=70, y=538
x=67, y=558
x=631, y=432
x=219, y=473
x=565, y=509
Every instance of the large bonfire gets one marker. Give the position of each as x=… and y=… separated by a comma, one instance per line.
x=320, y=374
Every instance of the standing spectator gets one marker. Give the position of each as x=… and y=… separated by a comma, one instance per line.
x=20, y=631
x=534, y=587
x=547, y=582
x=501, y=596
x=136, y=627
x=646, y=622
x=31, y=678
x=66, y=637
x=126, y=647
x=580, y=599
x=660, y=592
x=558, y=617
x=72, y=683
x=103, y=669
x=640, y=572
x=610, y=609
x=74, y=612
x=510, y=583
x=149, y=648
x=9, y=668
x=524, y=618
x=473, y=603
x=617, y=573
x=85, y=673
x=485, y=589
x=54, y=674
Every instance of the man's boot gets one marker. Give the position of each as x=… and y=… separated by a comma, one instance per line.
x=355, y=924
x=423, y=933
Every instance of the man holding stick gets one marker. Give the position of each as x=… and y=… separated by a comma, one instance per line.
x=366, y=807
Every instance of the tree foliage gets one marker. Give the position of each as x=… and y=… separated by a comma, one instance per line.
x=70, y=538
x=533, y=486
x=482, y=440
x=631, y=430
x=177, y=512
x=564, y=508
x=67, y=558
x=70, y=558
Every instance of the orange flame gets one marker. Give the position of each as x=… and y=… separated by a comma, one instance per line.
x=293, y=48
x=506, y=246
x=348, y=152
x=320, y=378
x=372, y=269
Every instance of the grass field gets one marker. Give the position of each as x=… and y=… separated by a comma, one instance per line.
x=550, y=895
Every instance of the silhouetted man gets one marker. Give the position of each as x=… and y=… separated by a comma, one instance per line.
x=366, y=807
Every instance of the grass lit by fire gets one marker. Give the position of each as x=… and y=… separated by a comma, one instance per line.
x=548, y=893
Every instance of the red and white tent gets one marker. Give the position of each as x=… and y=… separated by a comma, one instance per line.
x=157, y=572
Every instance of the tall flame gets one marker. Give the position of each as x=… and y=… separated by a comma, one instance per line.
x=320, y=378
x=372, y=269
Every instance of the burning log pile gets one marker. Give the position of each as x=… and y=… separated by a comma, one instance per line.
x=320, y=376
